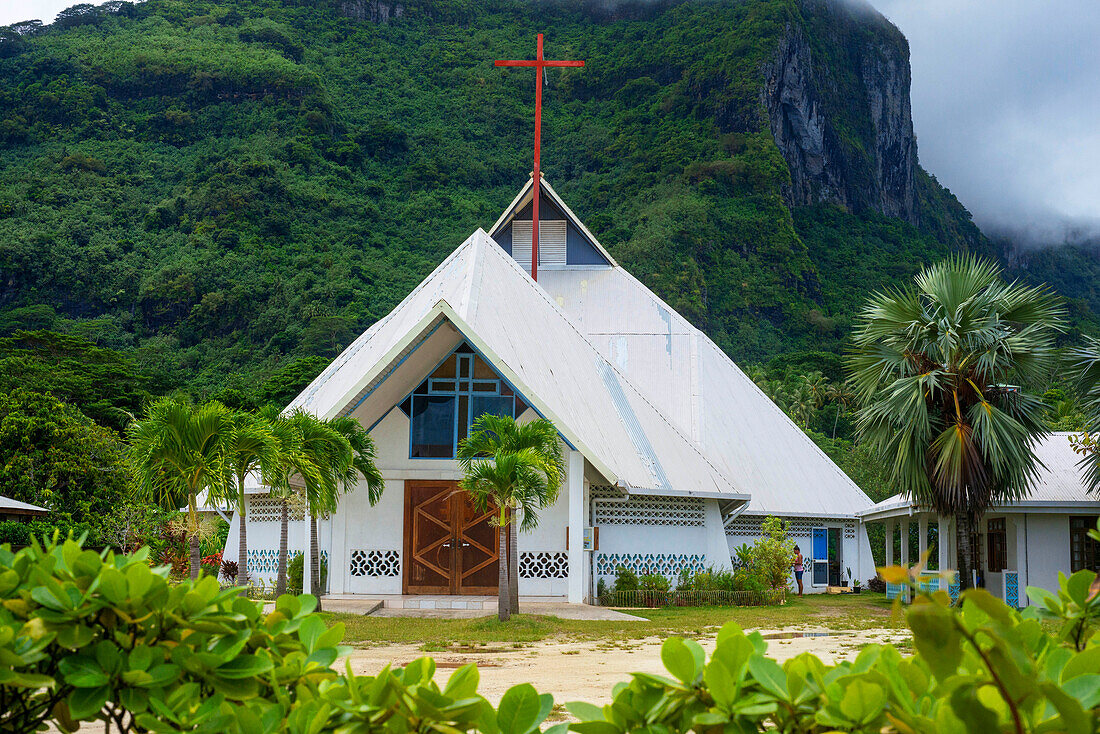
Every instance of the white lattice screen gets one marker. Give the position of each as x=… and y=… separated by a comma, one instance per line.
x=267, y=509
x=798, y=527
x=640, y=510
x=665, y=564
x=375, y=563
x=543, y=565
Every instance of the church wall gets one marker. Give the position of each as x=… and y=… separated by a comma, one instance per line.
x=370, y=540
x=263, y=540
x=855, y=548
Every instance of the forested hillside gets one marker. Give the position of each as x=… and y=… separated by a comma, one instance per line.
x=217, y=189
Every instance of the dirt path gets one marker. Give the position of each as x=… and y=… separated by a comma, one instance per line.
x=586, y=671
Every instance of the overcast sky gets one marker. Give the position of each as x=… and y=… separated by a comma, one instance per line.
x=1006, y=102
x=1006, y=105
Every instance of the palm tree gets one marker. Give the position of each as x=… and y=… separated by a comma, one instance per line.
x=1085, y=372
x=178, y=452
x=325, y=458
x=841, y=394
x=250, y=445
x=938, y=369
x=514, y=469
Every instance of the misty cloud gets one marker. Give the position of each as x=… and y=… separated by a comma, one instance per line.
x=1006, y=106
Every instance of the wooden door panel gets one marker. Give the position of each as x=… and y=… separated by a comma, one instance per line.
x=450, y=546
x=429, y=537
x=479, y=550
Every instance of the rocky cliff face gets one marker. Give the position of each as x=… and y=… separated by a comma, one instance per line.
x=847, y=137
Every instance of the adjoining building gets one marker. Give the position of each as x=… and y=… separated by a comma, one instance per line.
x=12, y=510
x=674, y=455
x=1016, y=545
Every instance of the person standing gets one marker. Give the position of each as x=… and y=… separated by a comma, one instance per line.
x=798, y=568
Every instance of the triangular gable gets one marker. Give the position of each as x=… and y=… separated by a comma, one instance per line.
x=484, y=296
x=552, y=207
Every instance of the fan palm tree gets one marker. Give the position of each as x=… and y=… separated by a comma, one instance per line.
x=1085, y=373
x=938, y=369
x=250, y=445
x=516, y=470
x=178, y=452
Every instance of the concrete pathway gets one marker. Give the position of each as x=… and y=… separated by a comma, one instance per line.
x=462, y=607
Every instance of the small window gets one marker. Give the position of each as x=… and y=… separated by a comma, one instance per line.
x=1084, y=552
x=997, y=543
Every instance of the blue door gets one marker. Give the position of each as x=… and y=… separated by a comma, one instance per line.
x=820, y=550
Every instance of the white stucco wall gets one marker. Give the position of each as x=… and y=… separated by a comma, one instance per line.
x=1047, y=549
x=855, y=548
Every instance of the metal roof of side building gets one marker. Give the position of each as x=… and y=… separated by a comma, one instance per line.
x=1058, y=486
x=9, y=506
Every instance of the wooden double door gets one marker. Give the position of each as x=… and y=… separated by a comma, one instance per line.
x=450, y=547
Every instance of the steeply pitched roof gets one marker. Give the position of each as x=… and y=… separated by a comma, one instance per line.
x=485, y=296
x=690, y=380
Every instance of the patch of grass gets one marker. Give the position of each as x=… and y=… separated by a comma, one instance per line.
x=844, y=612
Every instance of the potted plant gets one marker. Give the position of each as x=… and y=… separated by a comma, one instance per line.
x=856, y=586
x=848, y=570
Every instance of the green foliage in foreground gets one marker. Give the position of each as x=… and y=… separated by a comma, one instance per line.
x=87, y=636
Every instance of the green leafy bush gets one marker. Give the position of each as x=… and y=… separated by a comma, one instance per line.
x=295, y=569
x=625, y=580
x=97, y=636
x=90, y=636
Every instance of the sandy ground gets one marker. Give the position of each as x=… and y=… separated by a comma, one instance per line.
x=586, y=671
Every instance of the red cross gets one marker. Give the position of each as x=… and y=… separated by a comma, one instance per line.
x=539, y=63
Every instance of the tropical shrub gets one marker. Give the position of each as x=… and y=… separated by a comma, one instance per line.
x=98, y=636
x=773, y=554
x=296, y=569
x=88, y=636
x=654, y=582
x=625, y=580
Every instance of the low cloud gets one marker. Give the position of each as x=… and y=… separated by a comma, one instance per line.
x=1006, y=106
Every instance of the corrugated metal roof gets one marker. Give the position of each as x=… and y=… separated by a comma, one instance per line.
x=527, y=337
x=704, y=393
x=11, y=505
x=1060, y=481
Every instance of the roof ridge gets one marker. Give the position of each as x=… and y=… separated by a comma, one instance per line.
x=626, y=380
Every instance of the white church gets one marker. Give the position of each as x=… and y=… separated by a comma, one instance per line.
x=674, y=456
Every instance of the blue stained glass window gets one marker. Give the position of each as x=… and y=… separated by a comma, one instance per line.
x=433, y=426
x=441, y=409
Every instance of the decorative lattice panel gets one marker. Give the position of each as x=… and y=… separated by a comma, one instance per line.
x=1012, y=589
x=266, y=509
x=665, y=564
x=263, y=560
x=797, y=527
x=543, y=565
x=266, y=560
x=375, y=563
x=679, y=511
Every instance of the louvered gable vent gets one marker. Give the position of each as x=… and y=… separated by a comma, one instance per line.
x=551, y=242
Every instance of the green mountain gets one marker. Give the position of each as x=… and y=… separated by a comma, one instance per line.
x=217, y=188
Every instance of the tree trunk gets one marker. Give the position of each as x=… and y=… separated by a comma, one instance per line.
x=964, y=531
x=513, y=564
x=193, y=536
x=280, y=582
x=502, y=576
x=242, y=546
x=195, y=567
x=314, y=561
